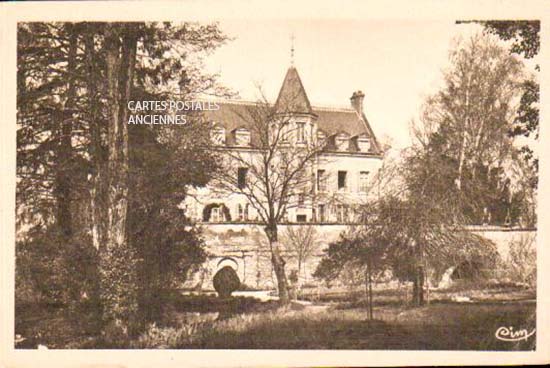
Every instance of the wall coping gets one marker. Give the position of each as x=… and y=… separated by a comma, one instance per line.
x=477, y=228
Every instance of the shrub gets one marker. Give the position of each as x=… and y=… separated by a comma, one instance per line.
x=188, y=331
x=226, y=282
x=521, y=264
x=48, y=270
x=166, y=337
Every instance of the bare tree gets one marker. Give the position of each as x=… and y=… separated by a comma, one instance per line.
x=303, y=242
x=276, y=171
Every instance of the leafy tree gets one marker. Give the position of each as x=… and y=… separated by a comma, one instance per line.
x=358, y=249
x=51, y=163
x=410, y=239
x=467, y=124
x=161, y=72
x=75, y=160
x=430, y=221
x=414, y=228
x=525, y=37
x=168, y=246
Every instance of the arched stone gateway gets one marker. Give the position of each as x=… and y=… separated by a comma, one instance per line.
x=227, y=261
x=203, y=279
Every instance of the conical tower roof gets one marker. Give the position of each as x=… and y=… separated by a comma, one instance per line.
x=292, y=95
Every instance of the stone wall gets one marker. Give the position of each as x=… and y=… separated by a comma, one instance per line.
x=503, y=237
x=245, y=248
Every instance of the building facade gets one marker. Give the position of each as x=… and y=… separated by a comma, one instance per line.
x=340, y=177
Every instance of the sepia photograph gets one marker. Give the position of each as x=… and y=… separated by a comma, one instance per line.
x=277, y=184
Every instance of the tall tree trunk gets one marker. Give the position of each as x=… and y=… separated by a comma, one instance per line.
x=461, y=159
x=97, y=152
x=299, y=270
x=369, y=275
x=62, y=190
x=118, y=259
x=426, y=278
x=98, y=188
x=278, y=263
x=304, y=269
x=367, y=292
x=418, y=287
x=462, y=154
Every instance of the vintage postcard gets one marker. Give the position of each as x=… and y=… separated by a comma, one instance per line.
x=262, y=184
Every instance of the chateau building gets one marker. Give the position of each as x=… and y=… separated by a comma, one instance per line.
x=338, y=178
x=342, y=173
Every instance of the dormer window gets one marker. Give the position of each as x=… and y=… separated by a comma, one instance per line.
x=218, y=135
x=363, y=143
x=342, y=141
x=321, y=138
x=242, y=137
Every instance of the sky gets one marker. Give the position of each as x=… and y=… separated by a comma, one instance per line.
x=397, y=64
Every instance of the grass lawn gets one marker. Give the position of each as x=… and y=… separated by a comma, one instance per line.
x=441, y=326
x=207, y=322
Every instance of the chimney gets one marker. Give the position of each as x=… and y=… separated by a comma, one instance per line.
x=357, y=101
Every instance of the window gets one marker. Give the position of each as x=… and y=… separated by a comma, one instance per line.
x=363, y=181
x=321, y=181
x=301, y=132
x=342, y=213
x=363, y=143
x=301, y=218
x=321, y=138
x=218, y=135
x=242, y=137
x=322, y=213
x=342, y=180
x=342, y=141
x=240, y=212
x=301, y=199
x=283, y=134
x=241, y=177
x=216, y=215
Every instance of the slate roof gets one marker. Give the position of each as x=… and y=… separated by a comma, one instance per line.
x=292, y=95
x=234, y=114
